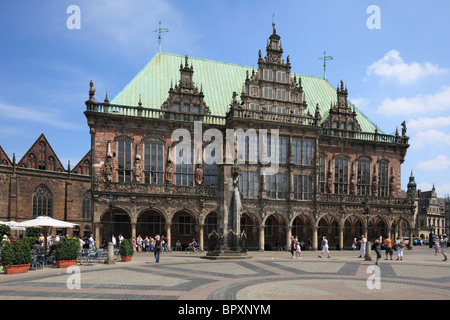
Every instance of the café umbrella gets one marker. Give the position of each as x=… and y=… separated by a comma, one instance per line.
x=45, y=222
x=12, y=225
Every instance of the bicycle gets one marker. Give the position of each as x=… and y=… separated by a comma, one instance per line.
x=192, y=249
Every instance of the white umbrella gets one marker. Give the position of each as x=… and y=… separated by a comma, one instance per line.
x=45, y=222
x=13, y=225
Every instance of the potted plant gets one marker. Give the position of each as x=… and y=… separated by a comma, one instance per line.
x=66, y=252
x=126, y=250
x=16, y=257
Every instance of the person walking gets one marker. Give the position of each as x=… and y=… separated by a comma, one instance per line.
x=362, y=243
x=157, y=248
x=444, y=246
x=354, y=244
x=298, y=249
x=325, y=247
x=388, y=247
x=378, y=243
x=436, y=246
x=292, y=247
x=400, y=247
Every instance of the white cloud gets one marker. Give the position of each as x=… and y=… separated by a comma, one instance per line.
x=430, y=137
x=418, y=104
x=428, y=123
x=26, y=114
x=392, y=66
x=441, y=162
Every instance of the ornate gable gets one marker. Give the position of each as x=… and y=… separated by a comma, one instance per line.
x=186, y=97
x=41, y=156
x=4, y=160
x=341, y=116
x=272, y=88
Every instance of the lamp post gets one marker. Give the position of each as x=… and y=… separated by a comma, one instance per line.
x=367, y=256
x=110, y=259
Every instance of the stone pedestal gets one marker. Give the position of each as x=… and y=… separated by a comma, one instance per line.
x=227, y=242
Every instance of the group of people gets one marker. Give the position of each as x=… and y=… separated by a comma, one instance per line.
x=149, y=244
x=296, y=248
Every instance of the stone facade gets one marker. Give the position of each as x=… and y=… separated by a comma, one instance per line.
x=329, y=171
x=329, y=168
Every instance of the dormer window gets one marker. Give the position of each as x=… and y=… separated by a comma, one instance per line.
x=268, y=75
x=196, y=109
x=281, y=94
x=268, y=93
x=281, y=76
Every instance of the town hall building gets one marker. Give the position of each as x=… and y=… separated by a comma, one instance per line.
x=338, y=175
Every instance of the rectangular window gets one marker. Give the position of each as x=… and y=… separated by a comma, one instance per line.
x=303, y=187
x=268, y=93
x=268, y=75
x=302, y=151
x=341, y=176
x=254, y=107
x=322, y=175
x=383, y=186
x=281, y=76
x=363, y=178
x=210, y=174
x=281, y=94
x=184, y=171
x=196, y=109
x=249, y=184
x=282, y=149
x=153, y=163
x=276, y=186
x=124, y=161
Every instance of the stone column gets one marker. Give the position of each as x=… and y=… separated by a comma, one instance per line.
x=314, y=239
x=133, y=230
x=169, y=235
x=341, y=238
x=288, y=237
x=201, y=240
x=261, y=238
x=97, y=235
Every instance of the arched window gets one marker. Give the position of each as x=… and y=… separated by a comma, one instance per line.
x=42, y=202
x=86, y=210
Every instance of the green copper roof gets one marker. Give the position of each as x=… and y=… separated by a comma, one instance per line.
x=218, y=80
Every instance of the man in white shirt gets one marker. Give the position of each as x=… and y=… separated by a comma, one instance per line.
x=362, y=250
x=114, y=241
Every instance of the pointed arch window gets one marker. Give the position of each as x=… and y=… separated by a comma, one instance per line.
x=383, y=184
x=42, y=202
x=86, y=209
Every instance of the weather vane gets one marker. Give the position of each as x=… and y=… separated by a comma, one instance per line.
x=160, y=31
x=325, y=58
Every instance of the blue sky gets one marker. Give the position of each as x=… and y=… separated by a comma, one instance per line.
x=400, y=72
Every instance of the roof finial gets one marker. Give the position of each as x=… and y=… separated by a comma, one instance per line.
x=160, y=30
